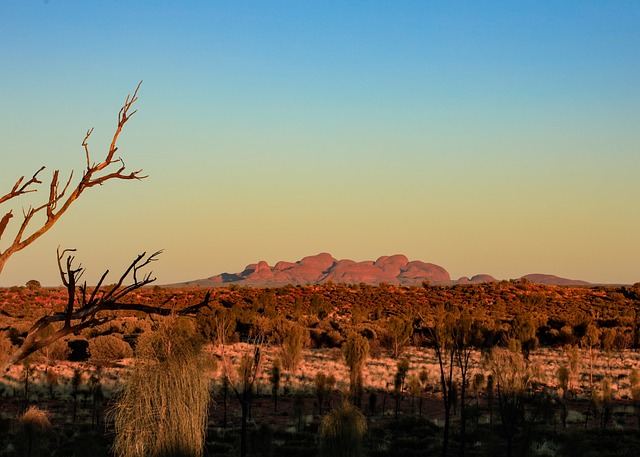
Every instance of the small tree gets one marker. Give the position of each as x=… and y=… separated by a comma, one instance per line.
x=415, y=389
x=607, y=402
x=423, y=377
x=400, y=330
x=573, y=356
x=28, y=369
x=402, y=371
x=242, y=381
x=563, y=374
x=478, y=382
x=443, y=343
x=324, y=386
x=293, y=343
x=52, y=379
x=33, y=284
x=524, y=327
x=399, y=380
x=356, y=351
x=463, y=339
x=76, y=383
x=591, y=340
x=608, y=342
x=513, y=376
x=274, y=378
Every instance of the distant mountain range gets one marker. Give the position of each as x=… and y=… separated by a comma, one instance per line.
x=323, y=267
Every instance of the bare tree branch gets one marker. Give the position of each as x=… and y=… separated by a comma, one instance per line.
x=60, y=199
x=86, y=309
x=24, y=189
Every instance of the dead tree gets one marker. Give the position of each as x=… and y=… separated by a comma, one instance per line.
x=91, y=306
x=61, y=193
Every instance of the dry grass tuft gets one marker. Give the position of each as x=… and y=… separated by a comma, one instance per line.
x=163, y=409
x=342, y=430
x=35, y=419
x=33, y=433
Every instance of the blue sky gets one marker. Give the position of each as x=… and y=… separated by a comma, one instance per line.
x=487, y=137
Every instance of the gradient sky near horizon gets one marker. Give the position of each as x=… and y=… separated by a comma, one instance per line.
x=487, y=137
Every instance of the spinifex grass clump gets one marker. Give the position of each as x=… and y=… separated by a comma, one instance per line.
x=33, y=432
x=163, y=409
x=342, y=430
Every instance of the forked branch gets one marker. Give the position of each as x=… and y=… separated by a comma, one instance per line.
x=88, y=307
x=61, y=197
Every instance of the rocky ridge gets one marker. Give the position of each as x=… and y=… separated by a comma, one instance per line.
x=321, y=268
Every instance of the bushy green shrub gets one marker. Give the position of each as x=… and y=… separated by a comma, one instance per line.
x=109, y=348
x=58, y=350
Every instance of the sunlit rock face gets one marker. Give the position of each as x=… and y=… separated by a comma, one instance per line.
x=321, y=268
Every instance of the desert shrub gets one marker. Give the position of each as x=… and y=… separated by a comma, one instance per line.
x=141, y=326
x=33, y=284
x=397, y=335
x=294, y=341
x=333, y=339
x=317, y=337
x=163, y=409
x=17, y=332
x=108, y=348
x=58, y=350
x=279, y=329
x=79, y=348
x=217, y=324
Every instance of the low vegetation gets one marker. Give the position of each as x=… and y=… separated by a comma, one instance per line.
x=506, y=368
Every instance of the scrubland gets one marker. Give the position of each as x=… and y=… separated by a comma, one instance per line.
x=61, y=400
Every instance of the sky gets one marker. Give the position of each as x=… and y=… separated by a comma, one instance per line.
x=486, y=137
